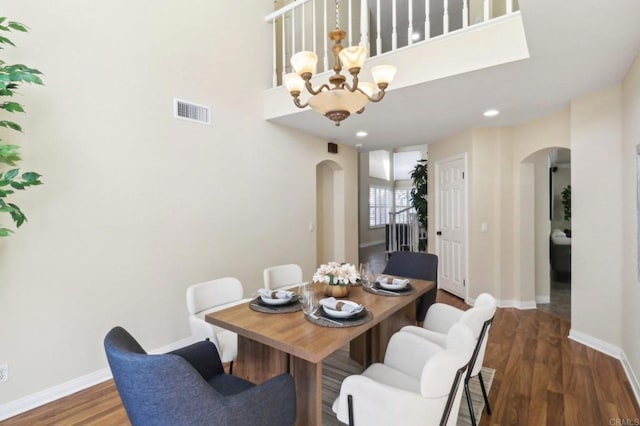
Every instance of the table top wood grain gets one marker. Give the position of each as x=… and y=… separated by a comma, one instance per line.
x=293, y=334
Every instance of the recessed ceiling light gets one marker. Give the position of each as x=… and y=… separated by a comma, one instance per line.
x=416, y=36
x=491, y=113
x=361, y=134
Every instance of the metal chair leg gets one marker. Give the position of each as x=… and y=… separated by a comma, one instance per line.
x=470, y=404
x=231, y=367
x=484, y=394
x=350, y=406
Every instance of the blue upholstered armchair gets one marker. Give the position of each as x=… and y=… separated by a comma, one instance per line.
x=189, y=387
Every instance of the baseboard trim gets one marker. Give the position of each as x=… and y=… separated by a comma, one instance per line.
x=518, y=304
x=51, y=394
x=611, y=350
x=543, y=299
x=371, y=243
x=594, y=343
x=56, y=392
x=633, y=379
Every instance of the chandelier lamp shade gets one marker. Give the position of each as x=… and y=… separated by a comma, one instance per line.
x=338, y=99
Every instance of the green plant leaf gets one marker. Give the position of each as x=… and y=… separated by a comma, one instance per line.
x=18, y=26
x=11, y=174
x=10, y=125
x=4, y=232
x=32, y=178
x=12, y=107
x=18, y=217
x=4, y=40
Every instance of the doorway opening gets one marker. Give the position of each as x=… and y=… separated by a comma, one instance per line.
x=560, y=237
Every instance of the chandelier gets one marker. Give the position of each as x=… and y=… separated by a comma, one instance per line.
x=343, y=99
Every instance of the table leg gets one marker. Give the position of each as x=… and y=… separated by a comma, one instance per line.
x=257, y=362
x=308, y=379
x=371, y=346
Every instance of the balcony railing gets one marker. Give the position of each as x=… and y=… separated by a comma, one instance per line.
x=382, y=25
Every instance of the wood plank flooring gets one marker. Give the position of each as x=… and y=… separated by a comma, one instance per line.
x=542, y=378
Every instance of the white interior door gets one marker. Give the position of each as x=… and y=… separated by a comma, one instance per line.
x=451, y=225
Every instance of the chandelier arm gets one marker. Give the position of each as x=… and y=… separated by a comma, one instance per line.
x=309, y=88
x=378, y=97
x=296, y=101
x=353, y=88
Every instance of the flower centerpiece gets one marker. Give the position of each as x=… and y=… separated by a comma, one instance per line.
x=337, y=277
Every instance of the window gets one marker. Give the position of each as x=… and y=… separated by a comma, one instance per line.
x=379, y=205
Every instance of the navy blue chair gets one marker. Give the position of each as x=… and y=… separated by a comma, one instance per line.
x=421, y=266
x=189, y=387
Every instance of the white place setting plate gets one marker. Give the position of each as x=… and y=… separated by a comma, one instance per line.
x=275, y=302
x=343, y=314
x=396, y=284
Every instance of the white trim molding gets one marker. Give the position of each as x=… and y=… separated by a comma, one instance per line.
x=518, y=304
x=46, y=396
x=633, y=379
x=543, y=300
x=54, y=393
x=371, y=243
x=594, y=343
x=611, y=350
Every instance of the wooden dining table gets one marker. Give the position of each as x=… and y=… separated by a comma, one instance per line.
x=273, y=343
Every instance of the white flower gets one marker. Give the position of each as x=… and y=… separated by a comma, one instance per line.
x=336, y=273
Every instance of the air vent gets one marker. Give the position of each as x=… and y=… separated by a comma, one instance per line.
x=192, y=112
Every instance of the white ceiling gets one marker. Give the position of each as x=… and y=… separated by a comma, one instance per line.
x=576, y=47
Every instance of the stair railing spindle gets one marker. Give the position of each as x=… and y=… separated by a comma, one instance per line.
x=427, y=19
x=378, y=36
x=445, y=17
x=394, y=33
x=465, y=13
x=410, y=27
x=364, y=24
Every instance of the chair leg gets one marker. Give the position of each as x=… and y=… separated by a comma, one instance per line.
x=484, y=393
x=231, y=367
x=469, y=403
x=350, y=406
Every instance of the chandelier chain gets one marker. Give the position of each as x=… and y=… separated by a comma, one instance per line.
x=337, y=14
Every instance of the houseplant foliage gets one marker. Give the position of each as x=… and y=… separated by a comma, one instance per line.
x=11, y=77
x=419, y=197
x=566, y=202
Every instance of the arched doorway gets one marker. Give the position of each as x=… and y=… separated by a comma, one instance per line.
x=543, y=176
x=330, y=212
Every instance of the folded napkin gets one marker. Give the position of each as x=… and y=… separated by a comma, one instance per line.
x=336, y=305
x=394, y=281
x=275, y=294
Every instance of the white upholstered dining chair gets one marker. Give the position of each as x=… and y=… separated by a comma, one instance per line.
x=441, y=317
x=211, y=296
x=418, y=383
x=282, y=276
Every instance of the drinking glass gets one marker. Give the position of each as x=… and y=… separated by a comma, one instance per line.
x=365, y=275
x=309, y=301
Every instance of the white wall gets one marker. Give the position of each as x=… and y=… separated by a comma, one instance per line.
x=136, y=205
x=629, y=212
x=596, y=197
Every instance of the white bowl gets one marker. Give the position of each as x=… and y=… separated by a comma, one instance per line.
x=397, y=285
x=270, y=301
x=343, y=314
